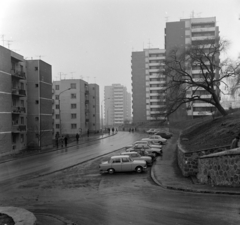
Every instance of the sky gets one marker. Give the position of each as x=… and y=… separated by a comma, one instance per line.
x=93, y=39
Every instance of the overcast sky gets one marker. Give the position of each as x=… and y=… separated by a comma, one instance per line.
x=93, y=39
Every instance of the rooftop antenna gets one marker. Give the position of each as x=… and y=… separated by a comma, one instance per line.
x=8, y=43
x=40, y=56
x=60, y=75
x=192, y=14
x=72, y=74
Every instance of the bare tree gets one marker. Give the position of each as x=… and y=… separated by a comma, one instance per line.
x=183, y=87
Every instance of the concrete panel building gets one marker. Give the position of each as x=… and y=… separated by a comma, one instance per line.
x=117, y=105
x=39, y=120
x=17, y=95
x=184, y=33
x=75, y=107
x=148, y=85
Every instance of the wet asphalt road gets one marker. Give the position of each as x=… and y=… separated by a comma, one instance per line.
x=85, y=197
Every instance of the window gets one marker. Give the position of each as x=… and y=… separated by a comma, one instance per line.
x=22, y=138
x=73, y=106
x=125, y=160
x=93, y=124
x=116, y=161
x=57, y=126
x=93, y=115
x=57, y=116
x=57, y=87
x=57, y=97
x=36, y=68
x=36, y=85
x=73, y=115
x=73, y=96
x=22, y=120
x=93, y=106
x=57, y=106
x=74, y=126
x=22, y=103
x=36, y=118
x=73, y=86
x=37, y=101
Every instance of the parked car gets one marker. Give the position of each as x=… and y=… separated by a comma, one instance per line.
x=164, y=134
x=153, y=151
x=122, y=163
x=156, y=139
x=136, y=156
x=151, y=131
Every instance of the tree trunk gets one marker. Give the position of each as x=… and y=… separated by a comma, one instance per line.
x=221, y=109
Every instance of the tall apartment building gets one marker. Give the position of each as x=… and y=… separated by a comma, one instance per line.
x=117, y=105
x=148, y=85
x=181, y=34
x=75, y=107
x=15, y=110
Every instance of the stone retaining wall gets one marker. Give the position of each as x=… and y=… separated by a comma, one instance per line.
x=220, y=169
x=188, y=161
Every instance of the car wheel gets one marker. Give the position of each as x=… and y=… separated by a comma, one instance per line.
x=139, y=169
x=111, y=171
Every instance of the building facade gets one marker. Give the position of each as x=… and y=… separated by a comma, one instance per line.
x=117, y=105
x=15, y=108
x=148, y=85
x=182, y=34
x=75, y=107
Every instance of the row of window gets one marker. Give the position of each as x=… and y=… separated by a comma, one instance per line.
x=72, y=86
x=73, y=116
x=72, y=106
x=73, y=126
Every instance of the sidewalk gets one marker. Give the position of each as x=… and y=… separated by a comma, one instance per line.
x=27, y=153
x=166, y=173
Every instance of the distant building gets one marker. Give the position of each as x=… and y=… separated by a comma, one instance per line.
x=181, y=34
x=24, y=112
x=117, y=102
x=148, y=85
x=75, y=107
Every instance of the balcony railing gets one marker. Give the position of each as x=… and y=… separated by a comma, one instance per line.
x=18, y=109
x=19, y=92
x=18, y=74
x=19, y=128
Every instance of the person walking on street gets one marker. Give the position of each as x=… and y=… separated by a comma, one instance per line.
x=113, y=130
x=77, y=137
x=88, y=133
x=61, y=139
x=66, y=141
x=235, y=142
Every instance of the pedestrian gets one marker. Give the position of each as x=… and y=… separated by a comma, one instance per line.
x=77, y=137
x=113, y=130
x=61, y=141
x=56, y=139
x=235, y=142
x=88, y=132
x=109, y=131
x=66, y=141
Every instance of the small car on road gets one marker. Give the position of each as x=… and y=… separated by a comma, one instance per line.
x=122, y=163
x=136, y=156
x=156, y=139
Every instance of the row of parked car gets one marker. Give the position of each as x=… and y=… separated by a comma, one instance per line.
x=136, y=157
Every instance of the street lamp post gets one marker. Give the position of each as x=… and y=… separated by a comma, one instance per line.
x=60, y=122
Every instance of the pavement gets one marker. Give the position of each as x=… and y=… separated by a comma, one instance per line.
x=164, y=172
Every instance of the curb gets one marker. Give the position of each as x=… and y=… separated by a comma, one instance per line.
x=188, y=189
x=58, y=218
x=52, y=150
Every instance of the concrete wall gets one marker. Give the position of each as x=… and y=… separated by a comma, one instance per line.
x=221, y=169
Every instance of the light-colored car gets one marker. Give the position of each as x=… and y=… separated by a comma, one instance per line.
x=122, y=163
x=151, y=151
x=136, y=156
x=156, y=139
x=151, y=131
x=149, y=143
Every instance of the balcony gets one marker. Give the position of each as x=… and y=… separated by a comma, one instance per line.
x=86, y=102
x=19, y=128
x=19, y=92
x=86, y=92
x=18, y=74
x=18, y=110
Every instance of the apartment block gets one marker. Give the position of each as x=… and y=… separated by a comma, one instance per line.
x=75, y=107
x=148, y=85
x=117, y=105
x=39, y=104
x=184, y=33
x=15, y=108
